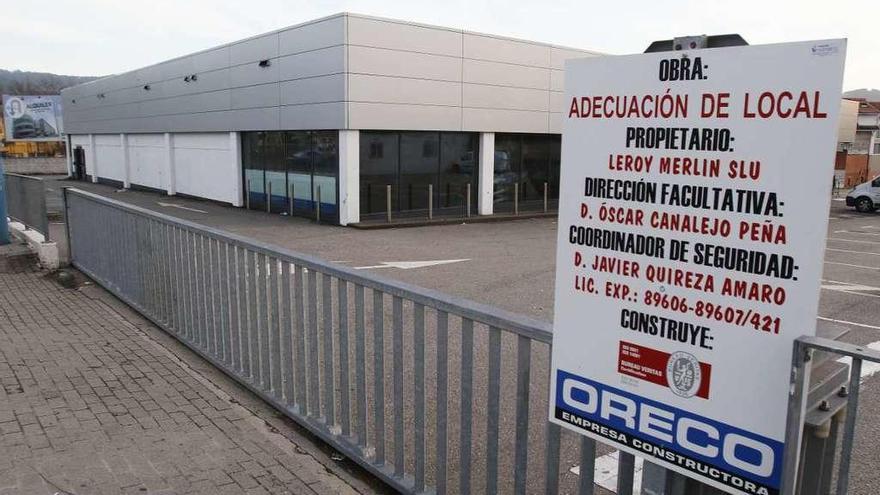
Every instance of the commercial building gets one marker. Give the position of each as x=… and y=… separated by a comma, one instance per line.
x=334, y=114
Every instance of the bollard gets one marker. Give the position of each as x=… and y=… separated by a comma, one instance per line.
x=430, y=201
x=269, y=197
x=388, y=202
x=545, y=197
x=318, y=206
x=468, y=200
x=247, y=196
x=292, y=199
x=516, y=198
x=4, y=225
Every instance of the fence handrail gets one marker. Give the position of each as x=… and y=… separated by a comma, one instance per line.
x=525, y=326
x=842, y=348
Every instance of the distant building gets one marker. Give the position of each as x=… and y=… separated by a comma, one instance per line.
x=860, y=158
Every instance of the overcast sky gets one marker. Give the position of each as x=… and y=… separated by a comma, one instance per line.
x=100, y=37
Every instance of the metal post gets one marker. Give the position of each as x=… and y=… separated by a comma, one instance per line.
x=247, y=196
x=388, y=202
x=292, y=199
x=318, y=206
x=4, y=224
x=268, y=197
x=516, y=198
x=800, y=376
x=468, y=213
x=849, y=427
x=430, y=201
x=545, y=197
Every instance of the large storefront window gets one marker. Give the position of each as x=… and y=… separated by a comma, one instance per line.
x=295, y=170
x=526, y=164
x=410, y=162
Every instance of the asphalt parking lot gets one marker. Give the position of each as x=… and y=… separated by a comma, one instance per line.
x=511, y=265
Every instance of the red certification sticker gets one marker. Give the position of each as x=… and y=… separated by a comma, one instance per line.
x=681, y=372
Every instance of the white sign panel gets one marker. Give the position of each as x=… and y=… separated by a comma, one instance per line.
x=692, y=221
x=32, y=118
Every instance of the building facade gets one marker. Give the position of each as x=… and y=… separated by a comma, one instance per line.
x=350, y=115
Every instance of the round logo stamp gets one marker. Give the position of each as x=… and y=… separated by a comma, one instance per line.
x=683, y=374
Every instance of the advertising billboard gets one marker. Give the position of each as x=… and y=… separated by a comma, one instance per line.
x=32, y=118
x=692, y=221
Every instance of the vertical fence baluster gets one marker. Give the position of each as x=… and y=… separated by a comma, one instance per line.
x=204, y=283
x=253, y=319
x=442, y=397
x=344, y=373
x=173, y=278
x=397, y=364
x=551, y=456
x=587, y=466
x=300, y=339
x=235, y=307
x=419, y=393
x=467, y=405
x=329, y=382
x=849, y=427
x=379, y=374
x=626, y=466
x=192, y=313
x=361, y=366
x=244, y=350
x=314, y=361
x=286, y=336
x=493, y=411
x=167, y=273
x=523, y=380
x=274, y=329
x=214, y=296
x=264, y=318
x=225, y=302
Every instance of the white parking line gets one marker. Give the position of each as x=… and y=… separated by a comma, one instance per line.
x=848, y=288
x=850, y=251
x=854, y=266
x=869, y=369
x=852, y=240
x=605, y=472
x=845, y=322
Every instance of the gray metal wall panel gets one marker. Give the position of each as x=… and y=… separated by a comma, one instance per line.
x=313, y=116
x=254, y=49
x=329, y=32
x=393, y=74
x=321, y=89
x=263, y=95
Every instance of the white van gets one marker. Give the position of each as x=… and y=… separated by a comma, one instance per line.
x=865, y=196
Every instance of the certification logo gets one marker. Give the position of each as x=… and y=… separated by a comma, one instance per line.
x=683, y=374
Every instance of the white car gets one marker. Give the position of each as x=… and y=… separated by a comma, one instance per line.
x=865, y=197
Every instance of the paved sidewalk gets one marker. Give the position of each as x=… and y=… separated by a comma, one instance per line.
x=93, y=400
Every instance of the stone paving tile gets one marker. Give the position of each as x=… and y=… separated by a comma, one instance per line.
x=89, y=404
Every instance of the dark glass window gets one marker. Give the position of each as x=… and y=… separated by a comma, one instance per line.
x=409, y=162
x=459, y=166
x=419, y=163
x=526, y=163
x=378, y=164
x=293, y=165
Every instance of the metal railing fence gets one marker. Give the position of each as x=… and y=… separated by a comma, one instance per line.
x=26, y=202
x=463, y=386
x=806, y=473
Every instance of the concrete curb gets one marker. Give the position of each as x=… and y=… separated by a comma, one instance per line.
x=47, y=252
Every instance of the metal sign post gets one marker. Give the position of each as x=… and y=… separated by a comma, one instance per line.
x=4, y=224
